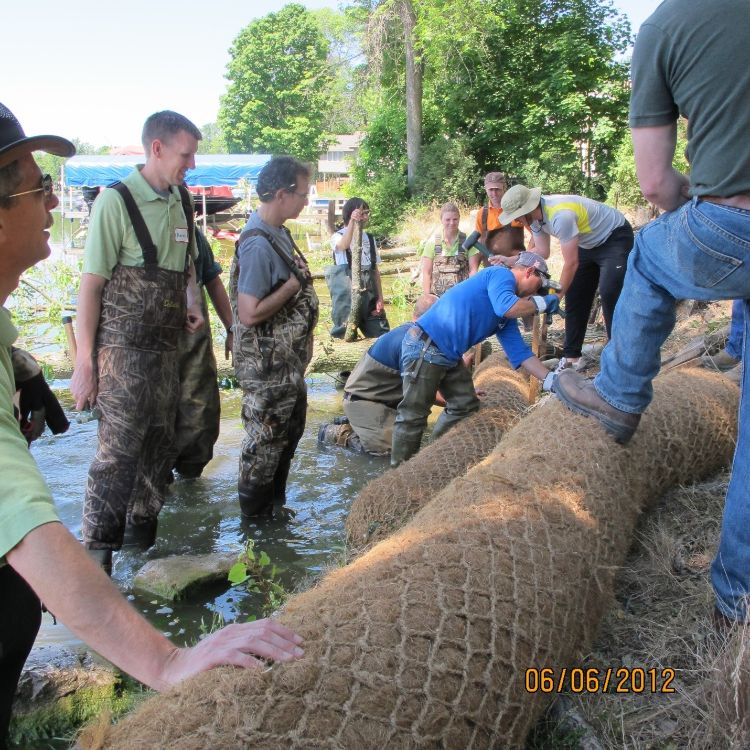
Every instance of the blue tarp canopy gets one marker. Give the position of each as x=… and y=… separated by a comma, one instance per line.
x=210, y=169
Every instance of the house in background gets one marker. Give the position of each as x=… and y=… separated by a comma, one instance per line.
x=334, y=167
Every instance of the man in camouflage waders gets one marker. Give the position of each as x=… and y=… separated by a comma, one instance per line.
x=199, y=408
x=275, y=311
x=137, y=293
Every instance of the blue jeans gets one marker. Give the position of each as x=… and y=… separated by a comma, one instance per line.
x=701, y=251
x=736, y=330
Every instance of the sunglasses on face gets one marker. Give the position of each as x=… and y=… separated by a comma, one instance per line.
x=47, y=188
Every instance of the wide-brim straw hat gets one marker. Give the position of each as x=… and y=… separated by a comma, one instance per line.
x=518, y=201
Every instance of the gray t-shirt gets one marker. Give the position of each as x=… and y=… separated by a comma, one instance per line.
x=261, y=268
x=569, y=216
x=692, y=57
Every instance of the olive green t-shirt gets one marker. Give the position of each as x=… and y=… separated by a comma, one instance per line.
x=26, y=501
x=692, y=57
x=111, y=238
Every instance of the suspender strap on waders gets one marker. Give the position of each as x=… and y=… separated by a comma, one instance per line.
x=293, y=267
x=150, y=262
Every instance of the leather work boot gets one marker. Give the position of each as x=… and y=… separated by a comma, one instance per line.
x=722, y=361
x=580, y=396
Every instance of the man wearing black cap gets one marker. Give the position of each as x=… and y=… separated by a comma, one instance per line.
x=39, y=558
x=431, y=353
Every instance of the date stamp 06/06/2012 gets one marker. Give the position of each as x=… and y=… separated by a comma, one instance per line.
x=595, y=680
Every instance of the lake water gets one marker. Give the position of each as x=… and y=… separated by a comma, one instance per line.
x=202, y=515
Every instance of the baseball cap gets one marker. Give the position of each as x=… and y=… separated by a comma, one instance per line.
x=517, y=201
x=532, y=260
x=14, y=142
x=496, y=178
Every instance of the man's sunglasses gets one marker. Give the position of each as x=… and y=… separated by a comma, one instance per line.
x=47, y=188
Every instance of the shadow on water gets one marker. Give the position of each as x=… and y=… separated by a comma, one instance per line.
x=202, y=515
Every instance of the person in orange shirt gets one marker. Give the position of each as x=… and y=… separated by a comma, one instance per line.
x=488, y=217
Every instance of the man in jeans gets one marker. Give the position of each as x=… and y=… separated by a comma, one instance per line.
x=690, y=58
x=468, y=313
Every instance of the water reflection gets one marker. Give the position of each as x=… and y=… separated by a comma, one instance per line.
x=203, y=516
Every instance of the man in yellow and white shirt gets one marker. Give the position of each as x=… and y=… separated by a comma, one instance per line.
x=595, y=240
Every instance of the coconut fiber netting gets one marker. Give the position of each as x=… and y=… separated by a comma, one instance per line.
x=388, y=502
x=424, y=640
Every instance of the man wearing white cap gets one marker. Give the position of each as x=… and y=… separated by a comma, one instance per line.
x=39, y=558
x=595, y=240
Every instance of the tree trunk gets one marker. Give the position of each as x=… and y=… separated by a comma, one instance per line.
x=414, y=73
x=356, y=251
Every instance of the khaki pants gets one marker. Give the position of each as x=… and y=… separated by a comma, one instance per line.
x=373, y=423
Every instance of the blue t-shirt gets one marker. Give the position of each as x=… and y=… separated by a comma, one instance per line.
x=387, y=349
x=472, y=311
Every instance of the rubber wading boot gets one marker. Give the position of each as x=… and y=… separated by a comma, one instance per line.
x=280, y=479
x=580, y=396
x=256, y=501
x=188, y=470
x=103, y=558
x=140, y=535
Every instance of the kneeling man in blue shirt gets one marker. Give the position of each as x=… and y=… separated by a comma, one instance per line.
x=468, y=313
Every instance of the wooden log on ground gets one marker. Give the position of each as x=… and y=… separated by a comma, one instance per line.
x=425, y=640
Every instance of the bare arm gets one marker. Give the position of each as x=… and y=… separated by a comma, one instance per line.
x=72, y=586
x=194, y=318
x=474, y=263
x=522, y=308
x=660, y=182
x=533, y=365
x=570, y=263
x=220, y=300
x=427, y=264
x=83, y=384
x=540, y=244
x=253, y=311
x=380, y=302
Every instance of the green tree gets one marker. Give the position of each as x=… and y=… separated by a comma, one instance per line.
x=279, y=86
x=213, y=141
x=51, y=164
x=624, y=189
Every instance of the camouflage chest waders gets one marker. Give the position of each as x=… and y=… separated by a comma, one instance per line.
x=199, y=408
x=270, y=361
x=447, y=271
x=143, y=312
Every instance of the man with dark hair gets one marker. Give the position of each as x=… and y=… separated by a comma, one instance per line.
x=39, y=558
x=164, y=126
x=137, y=293
x=691, y=58
x=275, y=310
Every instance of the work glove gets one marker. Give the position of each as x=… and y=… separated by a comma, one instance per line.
x=549, y=384
x=550, y=303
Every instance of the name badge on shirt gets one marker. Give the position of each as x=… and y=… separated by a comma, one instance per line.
x=180, y=234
